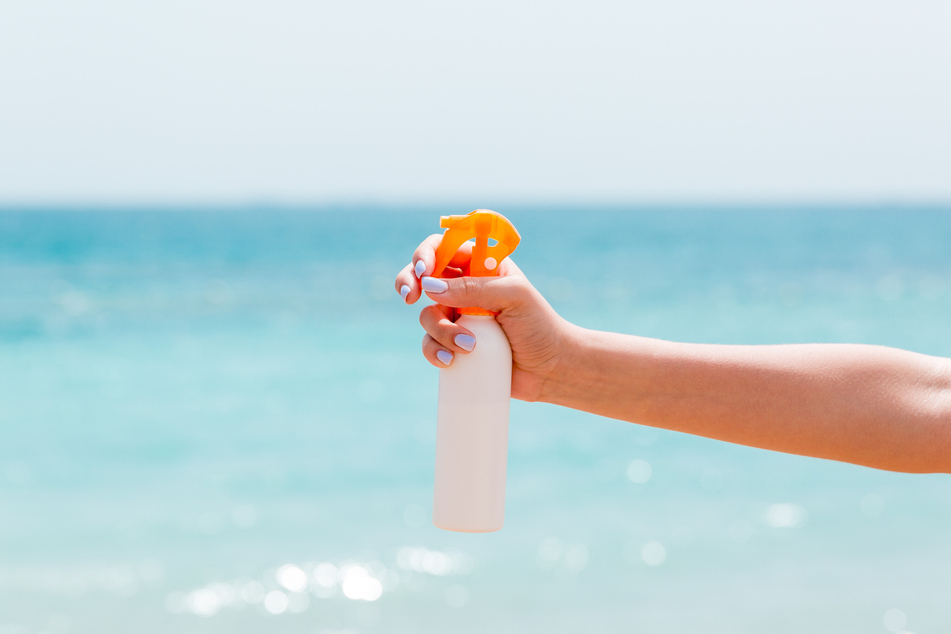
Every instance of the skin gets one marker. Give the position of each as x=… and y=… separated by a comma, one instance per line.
x=867, y=405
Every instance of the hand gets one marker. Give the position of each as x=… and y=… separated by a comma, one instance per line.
x=535, y=331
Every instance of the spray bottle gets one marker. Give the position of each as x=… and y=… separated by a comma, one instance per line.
x=474, y=392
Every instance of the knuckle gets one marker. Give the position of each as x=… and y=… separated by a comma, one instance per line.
x=428, y=245
x=427, y=317
x=513, y=282
x=514, y=287
x=445, y=328
x=467, y=285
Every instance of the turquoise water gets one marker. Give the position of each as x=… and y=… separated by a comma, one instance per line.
x=219, y=421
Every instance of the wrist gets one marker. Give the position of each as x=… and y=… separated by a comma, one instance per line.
x=568, y=367
x=604, y=373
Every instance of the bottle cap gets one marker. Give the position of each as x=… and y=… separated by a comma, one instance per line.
x=483, y=225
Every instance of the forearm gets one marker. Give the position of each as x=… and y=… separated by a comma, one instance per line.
x=868, y=405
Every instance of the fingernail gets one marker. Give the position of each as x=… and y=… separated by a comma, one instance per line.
x=433, y=285
x=466, y=342
x=420, y=268
x=404, y=291
x=445, y=356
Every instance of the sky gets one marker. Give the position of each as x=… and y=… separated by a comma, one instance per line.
x=289, y=101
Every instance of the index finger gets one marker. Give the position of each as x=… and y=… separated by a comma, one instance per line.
x=424, y=258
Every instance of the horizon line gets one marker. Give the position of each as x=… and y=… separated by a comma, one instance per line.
x=467, y=201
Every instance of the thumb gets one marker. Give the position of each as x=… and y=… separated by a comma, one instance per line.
x=491, y=293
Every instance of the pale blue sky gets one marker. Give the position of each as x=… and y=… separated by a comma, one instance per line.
x=293, y=101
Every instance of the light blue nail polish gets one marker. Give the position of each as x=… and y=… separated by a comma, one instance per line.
x=433, y=284
x=404, y=291
x=420, y=268
x=445, y=356
x=466, y=342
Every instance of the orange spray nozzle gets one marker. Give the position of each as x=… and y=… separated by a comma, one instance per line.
x=483, y=225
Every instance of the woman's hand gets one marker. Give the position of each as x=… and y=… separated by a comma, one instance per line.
x=535, y=331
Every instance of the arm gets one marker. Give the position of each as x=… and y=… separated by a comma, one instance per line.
x=867, y=405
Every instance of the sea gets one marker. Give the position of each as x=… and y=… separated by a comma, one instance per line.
x=218, y=420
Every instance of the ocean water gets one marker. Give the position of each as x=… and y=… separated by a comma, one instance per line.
x=218, y=420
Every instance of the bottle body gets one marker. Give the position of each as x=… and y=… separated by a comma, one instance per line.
x=472, y=432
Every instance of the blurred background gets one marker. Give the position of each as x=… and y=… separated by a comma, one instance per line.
x=214, y=416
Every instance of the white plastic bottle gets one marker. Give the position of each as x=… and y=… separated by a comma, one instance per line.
x=474, y=390
x=472, y=432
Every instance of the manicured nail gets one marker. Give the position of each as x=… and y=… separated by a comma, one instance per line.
x=445, y=356
x=466, y=342
x=433, y=285
x=420, y=268
x=404, y=291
